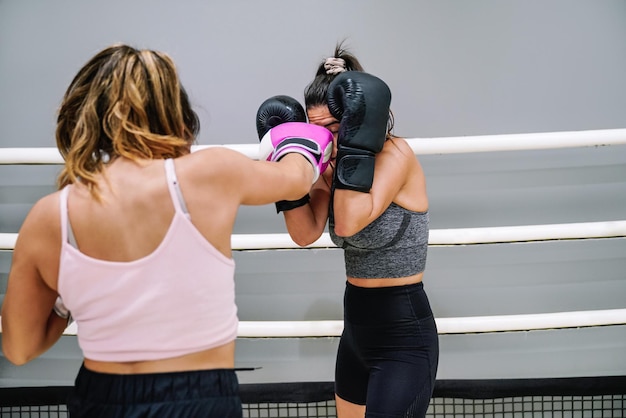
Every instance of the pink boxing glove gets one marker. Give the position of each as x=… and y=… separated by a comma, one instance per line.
x=312, y=141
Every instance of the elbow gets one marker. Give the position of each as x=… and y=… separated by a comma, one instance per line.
x=19, y=361
x=345, y=230
x=342, y=233
x=16, y=358
x=302, y=237
x=302, y=242
x=16, y=352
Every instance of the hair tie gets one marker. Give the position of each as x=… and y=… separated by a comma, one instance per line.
x=104, y=156
x=334, y=65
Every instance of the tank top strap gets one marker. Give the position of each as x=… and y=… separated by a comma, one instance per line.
x=67, y=234
x=174, y=188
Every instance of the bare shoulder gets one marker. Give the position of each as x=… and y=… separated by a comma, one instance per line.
x=218, y=152
x=44, y=214
x=214, y=170
x=215, y=160
x=400, y=144
x=39, y=238
x=399, y=153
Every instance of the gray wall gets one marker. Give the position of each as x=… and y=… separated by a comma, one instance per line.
x=455, y=68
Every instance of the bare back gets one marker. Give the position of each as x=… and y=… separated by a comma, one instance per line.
x=136, y=209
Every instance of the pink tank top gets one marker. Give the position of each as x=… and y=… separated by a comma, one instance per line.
x=177, y=300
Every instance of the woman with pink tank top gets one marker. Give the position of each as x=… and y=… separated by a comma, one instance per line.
x=135, y=245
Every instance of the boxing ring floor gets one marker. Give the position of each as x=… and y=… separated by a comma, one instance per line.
x=525, y=275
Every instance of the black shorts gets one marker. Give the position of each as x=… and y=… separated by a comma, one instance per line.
x=388, y=352
x=202, y=393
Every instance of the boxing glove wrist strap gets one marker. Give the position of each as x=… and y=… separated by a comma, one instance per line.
x=355, y=169
x=285, y=205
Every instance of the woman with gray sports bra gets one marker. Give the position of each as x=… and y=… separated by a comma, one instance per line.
x=374, y=197
x=136, y=244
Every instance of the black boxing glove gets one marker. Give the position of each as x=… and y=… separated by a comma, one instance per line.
x=272, y=112
x=360, y=102
x=277, y=110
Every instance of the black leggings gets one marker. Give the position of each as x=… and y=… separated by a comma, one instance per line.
x=202, y=393
x=388, y=352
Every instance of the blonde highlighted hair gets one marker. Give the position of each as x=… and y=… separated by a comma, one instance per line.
x=123, y=102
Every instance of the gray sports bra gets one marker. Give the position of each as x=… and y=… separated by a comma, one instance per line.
x=394, y=245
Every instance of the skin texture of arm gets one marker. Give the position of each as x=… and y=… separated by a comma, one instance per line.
x=306, y=224
x=29, y=326
x=237, y=180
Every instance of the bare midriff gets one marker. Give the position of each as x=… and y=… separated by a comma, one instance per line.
x=386, y=282
x=222, y=357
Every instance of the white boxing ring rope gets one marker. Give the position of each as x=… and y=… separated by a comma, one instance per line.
x=461, y=325
x=421, y=146
x=440, y=237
